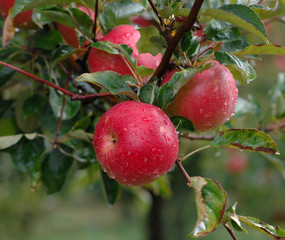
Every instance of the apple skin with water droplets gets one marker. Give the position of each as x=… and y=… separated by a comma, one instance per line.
x=208, y=100
x=99, y=60
x=135, y=143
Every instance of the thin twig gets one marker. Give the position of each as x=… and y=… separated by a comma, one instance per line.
x=203, y=51
x=156, y=13
x=195, y=151
x=230, y=231
x=73, y=96
x=182, y=169
x=94, y=30
x=62, y=109
x=195, y=137
x=186, y=26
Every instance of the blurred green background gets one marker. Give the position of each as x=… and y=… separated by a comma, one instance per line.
x=80, y=211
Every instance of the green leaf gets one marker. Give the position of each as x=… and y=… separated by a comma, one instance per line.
x=144, y=71
x=79, y=134
x=5, y=75
x=62, y=53
x=276, y=233
x=111, y=188
x=107, y=19
x=127, y=51
x=54, y=170
x=246, y=139
x=150, y=41
x=111, y=81
x=220, y=31
x=189, y=44
x=106, y=46
x=8, y=141
x=83, y=123
x=83, y=20
x=125, y=8
x=71, y=108
x=241, y=16
x=169, y=90
x=211, y=201
x=59, y=15
x=33, y=105
x=84, y=154
x=240, y=68
x=22, y=5
x=148, y=92
x=165, y=12
x=47, y=40
x=231, y=216
x=182, y=124
x=271, y=49
x=265, y=12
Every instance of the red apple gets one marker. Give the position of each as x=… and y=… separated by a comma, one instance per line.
x=69, y=34
x=280, y=63
x=99, y=60
x=22, y=20
x=135, y=143
x=208, y=100
x=237, y=162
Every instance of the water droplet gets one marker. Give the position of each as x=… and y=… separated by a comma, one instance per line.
x=226, y=103
x=129, y=153
x=208, y=115
x=201, y=111
x=215, y=89
x=146, y=119
x=145, y=159
x=165, y=122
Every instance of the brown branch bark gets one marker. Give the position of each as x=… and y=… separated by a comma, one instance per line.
x=94, y=30
x=182, y=169
x=156, y=13
x=73, y=96
x=186, y=26
x=230, y=232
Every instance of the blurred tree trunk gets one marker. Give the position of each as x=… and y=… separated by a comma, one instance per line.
x=155, y=221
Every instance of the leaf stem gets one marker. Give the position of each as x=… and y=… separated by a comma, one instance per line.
x=186, y=26
x=182, y=169
x=230, y=231
x=195, y=151
x=195, y=137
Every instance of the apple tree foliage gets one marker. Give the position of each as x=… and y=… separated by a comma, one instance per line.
x=50, y=103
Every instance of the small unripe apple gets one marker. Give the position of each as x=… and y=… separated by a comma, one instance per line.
x=22, y=20
x=208, y=100
x=99, y=60
x=135, y=143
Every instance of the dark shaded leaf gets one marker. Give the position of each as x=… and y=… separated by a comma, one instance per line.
x=54, y=170
x=33, y=105
x=47, y=40
x=125, y=8
x=182, y=124
x=111, y=188
x=62, y=53
x=6, y=74
x=107, y=19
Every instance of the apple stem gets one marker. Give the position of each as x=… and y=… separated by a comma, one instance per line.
x=94, y=30
x=195, y=151
x=186, y=26
x=182, y=169
x=73, y=96
x=230, y=231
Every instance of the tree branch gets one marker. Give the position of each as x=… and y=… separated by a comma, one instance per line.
x=94, y=30
x=186, y=26
x=230, y=232
x=182, y=169
x=73, y=96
